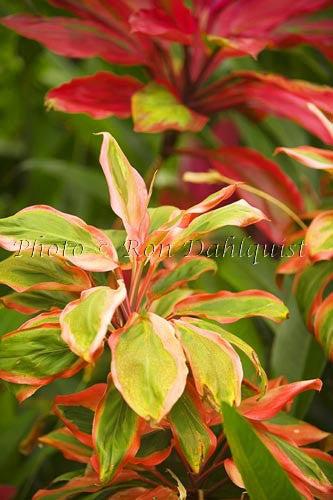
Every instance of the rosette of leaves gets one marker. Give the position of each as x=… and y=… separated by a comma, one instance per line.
x=175, y=372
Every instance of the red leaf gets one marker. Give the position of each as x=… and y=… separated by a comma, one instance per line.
x=275, y=399
x=100, y=95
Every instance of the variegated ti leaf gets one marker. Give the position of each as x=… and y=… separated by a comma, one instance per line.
x=323, y=326
x=116, y=433
x=148, y=365
x=66, y=442
x=85, y=321
x=320, y=159
x=236, y=342
x=128, y=193
x=60, y=234
x=155, y=108
x=39, y=272
x=155, y=447
x=33, y=301
x=188, y=269
x=216, y=367
x=265, y=482
x=36, y=356
x=77, y=411
x=228, y=307
x=194, y=439
x=319, y=237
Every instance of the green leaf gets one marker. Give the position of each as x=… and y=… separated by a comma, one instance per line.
x=39, y=272
x=148, y=365
x=85, y=321
x=33, y=301
x=263, y=476
x=36, y=356
x=188, y=269
x=164, y=306
x=227, y=307
x=194, y=440
x=115, y=433
x=155, y=108
x=159, y=216
x=323, y=326
x=319, y=237
x=65, y=441
x=59, y=234
x=155, y=446
x=216, y=367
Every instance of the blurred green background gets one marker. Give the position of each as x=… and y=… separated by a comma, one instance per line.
x=52, y=158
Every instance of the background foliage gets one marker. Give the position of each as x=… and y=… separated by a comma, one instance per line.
x=51, y=158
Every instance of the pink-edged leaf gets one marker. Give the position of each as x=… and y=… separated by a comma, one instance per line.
x=60, y=234
x=77, y=411
x=37, y=272
x=34, y=301
x=36, y=356
x=293, y=430
x=64, y=440
x=85, y=321
x=116, y=434
x=233, y=472
x=77, y=38
x=148, y=365
x=319, y=237
x=194, y=439
x=275, y=399
x=215, y=365
x=156, y=108
x=100, y=95
x=323, y=326
x=319, y=159
x=300, y=465
x=228, y=307
x=128, y=193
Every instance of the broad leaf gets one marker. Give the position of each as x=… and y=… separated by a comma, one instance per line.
x=155, y=447
x=155, y=108
x=194, y=440
x=216, y=367
x=65, y=441
x=228, y=307
x=84, y=322
x=115, y=433
x=128, y=193
x=263, y=476
x=323, y=326
x=33, y=301
x=26, y=272
x=148, y=365
x=164, y=305
x=59, y=234
x=188, y=269
x=36, y=356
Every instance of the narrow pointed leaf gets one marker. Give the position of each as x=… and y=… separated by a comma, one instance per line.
x=36, y=356
x=128, y=192
x=188, y=269
x=194, y=440
x=155, y=447
x=26, y=272
x=319, y=159
x=319, y=237
x=293, y=430
x=263, y=476
x=155, y=109
x=115, y=433
x=216, y=367
x=228, y=307
x=148, y=365
x=100, y=95
x=61, y=234
x=323, y=326
x=65, y=441
x=84, y=322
